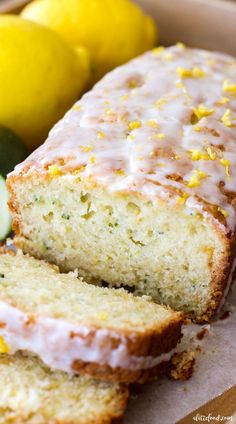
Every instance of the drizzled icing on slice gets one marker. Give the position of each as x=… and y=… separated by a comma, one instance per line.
x=163, y=125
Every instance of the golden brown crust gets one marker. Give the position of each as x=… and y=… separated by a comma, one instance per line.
x=106, y=373
x=219, y=277
x=181, y=366
x=13, y=206
x=149, y=344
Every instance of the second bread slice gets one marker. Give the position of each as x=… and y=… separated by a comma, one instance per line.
x=77, y=327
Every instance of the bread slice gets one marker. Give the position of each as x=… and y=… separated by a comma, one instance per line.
x=30, y=393
x=136, y=185
x=77, y=327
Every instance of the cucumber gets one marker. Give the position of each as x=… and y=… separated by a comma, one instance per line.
x=5, y=217
x=12, y=151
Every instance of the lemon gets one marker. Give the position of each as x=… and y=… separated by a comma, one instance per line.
x=41, y=76
x=114, y=31
x=5, y=217
x=12, y=151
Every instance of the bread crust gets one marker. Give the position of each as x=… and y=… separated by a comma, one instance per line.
x=153, y=344
x=220, y=283
x=106, y=373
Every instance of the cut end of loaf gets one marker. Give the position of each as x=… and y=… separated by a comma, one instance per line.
x=177, y=256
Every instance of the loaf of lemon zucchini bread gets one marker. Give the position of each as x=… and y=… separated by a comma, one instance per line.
x=30, y=393
x=78, y=327
x=136, y=186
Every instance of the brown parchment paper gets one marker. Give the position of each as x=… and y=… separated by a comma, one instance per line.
x=166, y=402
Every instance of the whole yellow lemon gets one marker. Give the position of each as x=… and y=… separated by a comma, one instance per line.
x=114, y=31
x=41, y=76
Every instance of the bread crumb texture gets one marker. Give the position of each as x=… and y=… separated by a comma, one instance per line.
x=32, y=394
x=141, y=244
x=39, y=290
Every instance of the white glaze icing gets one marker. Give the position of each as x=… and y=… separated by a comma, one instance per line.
x=51, y=340
x=152, y=91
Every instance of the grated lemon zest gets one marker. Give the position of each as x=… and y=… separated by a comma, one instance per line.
x=92, y=159
x=229, y=88
x=226, y=164
x=223, y=101
x=108, y=111
x=158, y=50
x=223, y=212
x=182, y=199
x=54, y=171
x=190, y=73
x=100, y=134
x=194, y=182
x=161, y=136
x=131, y=137
x=211, y=153
x=202, y=111
x=152, y=123
x=226, y=118
x=201, y=174
x=119, y=172
x=4, y=348
x=159, y=103
x=86, y=148
x=134, y=124
x=195, y=154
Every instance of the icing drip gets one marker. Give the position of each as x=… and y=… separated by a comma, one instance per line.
x=60, y=343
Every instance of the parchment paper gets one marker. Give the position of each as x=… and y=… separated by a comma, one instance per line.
x=166, y=402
